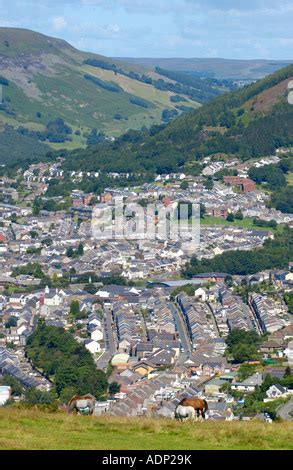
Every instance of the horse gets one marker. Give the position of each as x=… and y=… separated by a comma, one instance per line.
x=184, y=412
x=83, y=404
x=198, y=404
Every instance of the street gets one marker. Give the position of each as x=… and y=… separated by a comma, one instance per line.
x=285, y=411
x=182, y=331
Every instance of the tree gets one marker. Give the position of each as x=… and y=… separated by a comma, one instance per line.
x=66, y=394
x=245, y=371
x=74, y=308
x=208, y=183
x=240, y=336
x=114, y=387
x=12, y=321
x=184, y=185
x=69, y=252
x=202, y=210
x=230, y=217
x=239, y=215
x=13, y=218
x=37, y=397
x=79, y=250
x=16, y=387
x=67, y=362
x=229, y=281
x=288, y=372
x=245, y=352
x=90, y=288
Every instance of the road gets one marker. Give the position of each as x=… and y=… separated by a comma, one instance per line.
x=285, y=410
x=253, y=318
x=213, y=319
x=110, y=342
x=182, y=331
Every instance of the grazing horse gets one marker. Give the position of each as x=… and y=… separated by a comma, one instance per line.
x=83, y=404
x=199, y=405
x=184, y=412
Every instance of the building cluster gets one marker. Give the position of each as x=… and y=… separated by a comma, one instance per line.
x=272, y=315
x=162, y=346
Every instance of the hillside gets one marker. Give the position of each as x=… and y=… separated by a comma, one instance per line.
x=250, y=122
x=44, y=79
x=218, y=68
x=37, y=430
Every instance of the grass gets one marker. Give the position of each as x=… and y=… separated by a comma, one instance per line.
x=63, y=92
x=33, y=429
x=245, y=223
x=290, y=179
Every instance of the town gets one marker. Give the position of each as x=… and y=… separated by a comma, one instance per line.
x=156, y=331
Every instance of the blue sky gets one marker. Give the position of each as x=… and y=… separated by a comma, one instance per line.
x=243, y=29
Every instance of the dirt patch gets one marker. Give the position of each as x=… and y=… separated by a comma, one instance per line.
x=268, y=98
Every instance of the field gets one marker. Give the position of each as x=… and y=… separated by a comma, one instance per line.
x=49, y=83
x=245, y=223
x=290, y=179
x=33, y=429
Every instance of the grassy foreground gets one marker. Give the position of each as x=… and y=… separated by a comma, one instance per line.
x=33, y=429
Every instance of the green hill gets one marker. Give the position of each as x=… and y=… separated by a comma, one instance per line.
x=36, y=430
x=250, y=122
x=44, y=79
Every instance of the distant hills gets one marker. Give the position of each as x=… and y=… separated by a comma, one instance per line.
x=232, y=69
x=250, y=122
x=45, y=79
x=57, y=97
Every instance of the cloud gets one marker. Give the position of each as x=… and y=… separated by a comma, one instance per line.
x=58, y=23
x=189, y=28
x=92, y=29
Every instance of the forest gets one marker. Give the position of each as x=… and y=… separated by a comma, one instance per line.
x=64, y=360
x=190, y=137
x=275, y=253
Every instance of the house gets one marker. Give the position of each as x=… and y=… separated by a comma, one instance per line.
x=5, y=394
x=92, y=346
x=213, y=387
x=271, y=346
x=200, y=294
x=276, y=391
x=94, y=320
x=97, y=335
x=120, y=360
x=18, y=299
x=124, y=346
x=143, y=367
x=249, y=384
x=53, y=299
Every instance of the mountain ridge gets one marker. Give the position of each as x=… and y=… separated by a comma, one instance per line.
x=43, y=78
x=221, y=68
x=250, y=122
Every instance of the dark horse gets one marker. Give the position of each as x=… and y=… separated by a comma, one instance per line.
x=83, y=404
x=198, y=404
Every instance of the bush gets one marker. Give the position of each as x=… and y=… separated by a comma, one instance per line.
x=139, y=102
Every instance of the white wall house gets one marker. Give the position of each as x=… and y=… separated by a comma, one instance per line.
x=97, y=335
x=93, y=346
x=5, y=394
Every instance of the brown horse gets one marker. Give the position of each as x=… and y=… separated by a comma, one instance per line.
x=83, y=404
x=198, y=404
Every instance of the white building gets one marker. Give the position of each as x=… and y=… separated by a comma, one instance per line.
x=97, y=335
x=5, y=394
x=92, y=346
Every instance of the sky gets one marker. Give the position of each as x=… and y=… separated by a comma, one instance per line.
x=234, y=29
